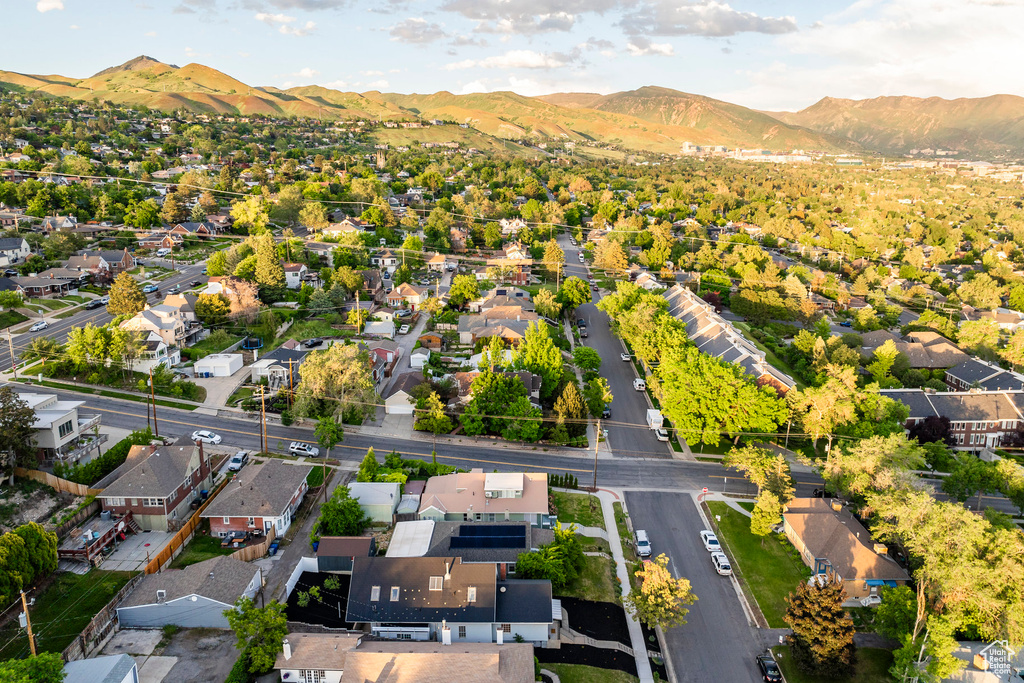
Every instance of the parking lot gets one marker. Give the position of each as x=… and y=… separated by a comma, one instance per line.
x=717, y=642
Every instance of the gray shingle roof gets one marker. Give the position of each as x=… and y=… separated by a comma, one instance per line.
x=223, y=579
x=259, y=490
x=440, y=542
x=972, y=371
x=522, y=601
x=155, y=472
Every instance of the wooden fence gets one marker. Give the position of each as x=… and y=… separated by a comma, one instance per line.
x=183, y=536
x=85, y=513
x=55, y=482
x=253, y=552
x=95, y=633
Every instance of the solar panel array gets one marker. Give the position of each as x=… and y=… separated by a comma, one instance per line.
x=487, y=536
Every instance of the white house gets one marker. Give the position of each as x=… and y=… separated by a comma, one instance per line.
x=379, y=499
x=13, y=250
x=419, y=358
x=59, y=428
x=154, y=352
x=218, y=365
x=399, y=400
x=293, y=274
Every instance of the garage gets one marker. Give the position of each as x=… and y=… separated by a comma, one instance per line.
x=218, y=365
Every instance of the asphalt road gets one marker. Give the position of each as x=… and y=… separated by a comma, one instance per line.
x=628, y=433
x=58, y=329
x=717, y=643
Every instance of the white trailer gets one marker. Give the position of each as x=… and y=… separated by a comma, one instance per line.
x=654, y=419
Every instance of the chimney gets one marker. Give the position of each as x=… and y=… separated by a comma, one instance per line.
x=881, y=549
x=287, y=649
x=447, y=572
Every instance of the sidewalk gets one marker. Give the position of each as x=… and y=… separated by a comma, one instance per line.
x=636, y=634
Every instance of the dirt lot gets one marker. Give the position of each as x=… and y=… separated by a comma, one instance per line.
x=30, y=501
x=204, y=654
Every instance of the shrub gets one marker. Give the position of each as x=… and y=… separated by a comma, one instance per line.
x=97, y=468
x=287, y=418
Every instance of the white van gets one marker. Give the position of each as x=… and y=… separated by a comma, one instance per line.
x=163, y=252
x=639, y=384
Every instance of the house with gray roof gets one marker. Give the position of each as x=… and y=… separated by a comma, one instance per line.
x=715, y=336
x=110, y=669
x=157, y=484
x=261, y=497
x=435, y=538
x=193, y=597
x=13, y=249
x=419, y=598
x=978, y=419
x=975, y=373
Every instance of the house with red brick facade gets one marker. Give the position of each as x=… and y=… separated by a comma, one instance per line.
x=977, y=419
x=158, y=483
x=260, y=497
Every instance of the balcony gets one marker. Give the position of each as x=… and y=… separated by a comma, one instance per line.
x=87, y=422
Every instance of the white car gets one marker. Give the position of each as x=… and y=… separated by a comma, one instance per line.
x=721, y=563
x=710, y=541
x=300, y=448
x=404, y=329
x=206, y=436
x=581, y=258
x=871, y=601
x=662, y=434
x=41, y=325
x=625, y=356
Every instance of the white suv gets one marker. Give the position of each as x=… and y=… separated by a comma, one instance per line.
x=300, y=448
x=642, y=543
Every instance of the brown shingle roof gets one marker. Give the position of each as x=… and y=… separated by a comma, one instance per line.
x=259, y=490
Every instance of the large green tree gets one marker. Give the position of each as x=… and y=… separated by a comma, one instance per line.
x=465, y=288
x=822, y=640
x=46, y=667
x=126, y=297
x=573, y=293
x=17, y=443
x=335, y=381
x=268, y=271
x=341, y=515
x=660, y=600
x=538, y=354
x=259, y=632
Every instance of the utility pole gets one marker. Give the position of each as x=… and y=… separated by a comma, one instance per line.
x=263, y=420
x=152, y=395
x=289, y=383
x=10, y=345
x=324, y=464
x=597, y=442
x=28, y=625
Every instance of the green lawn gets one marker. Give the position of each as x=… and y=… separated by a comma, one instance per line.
x=212, y=344
x=303, y=329
x=240, y=394
x=74, y=297
x=721, y=448
x=49, y=304
x=595, y=582
x=624, y=536
x=872, y=667
x=767, y=568
x=578, y=508
x=8, y=318
x=62, y=610
x=578, y=673
x=770, y=356
x=201, y=547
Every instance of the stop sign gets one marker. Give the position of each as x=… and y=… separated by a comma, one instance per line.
x=705, y=489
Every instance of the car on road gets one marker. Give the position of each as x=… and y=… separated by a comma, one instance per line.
x=312, y=343
x=238, y=461
x=41, y=325
x=150, y=288
x=404, y=329
x=583, y=333
x=403, y=314
x=625, y=356
x=94, y=304
x=661, y=434
x=581, y=322
x=606, y=414
x=642, y=543
x=721, y=563
x=581, y=258
x=593, y=286
x=206, y=436
x=300, y=448
x=710, y=541
x=104, y=300
x=196, y=283
x=162, y=252
x=639, y=384
x=846, y=323
x=572, y=241
x=770, y=671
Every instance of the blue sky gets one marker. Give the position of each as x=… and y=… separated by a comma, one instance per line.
x=767, y=54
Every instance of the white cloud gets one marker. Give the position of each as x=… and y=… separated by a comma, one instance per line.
x=74, y=27
x=417, y=30
x=47, y=5
x=526, y=16
x=337, y=85
x=150, y=34
x=306, y=72
x=380, y=84
x=640, y=46
x=285, y=24
x=372, y=73
x=894, y=47
x=701, y=18
x=515, y=59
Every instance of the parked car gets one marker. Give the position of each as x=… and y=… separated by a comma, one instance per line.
x=583, y=333
x=721, y=563
x=300, y=448
x=206, y=436
x=624, y=356
x=41, y=325
x=150, y=288
x=641, y=543
x=846, y=323
x=639, y=384
x=871, y=601
x=770, y=671
x=581, y=322
x=662, y=434
x=196, y=283
x=10, y=272
x=313, y=343
x=403, y=314
x=581, y=258
x=238, y=461
x=710, y=541
x=404, y=329
x=593, y=286
x=104, y=300
x=606, y=414
x=94, y=304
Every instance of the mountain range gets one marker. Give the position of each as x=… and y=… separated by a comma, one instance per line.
x=652, y=119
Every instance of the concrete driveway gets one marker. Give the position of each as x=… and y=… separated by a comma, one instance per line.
x=717, y=643
x=219, y=389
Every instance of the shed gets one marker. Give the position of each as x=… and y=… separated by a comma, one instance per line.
x=419, y=357
x=379, y=499
x=379, y=329
x=218, y=365
x=111, y=669
x=193, y=597
x=336, y=553
x=400, y=400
